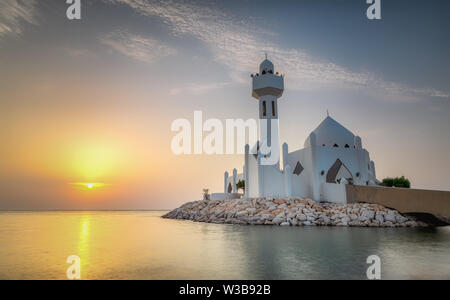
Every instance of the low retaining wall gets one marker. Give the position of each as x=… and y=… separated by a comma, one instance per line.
x=436, y=203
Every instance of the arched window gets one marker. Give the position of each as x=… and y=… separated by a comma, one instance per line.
x=264, y=109
x=273, y=108
x=263, y=72
x=338, y=171
x=336, y=146
x=270, y=72
x=347, y=146
x=323, y=145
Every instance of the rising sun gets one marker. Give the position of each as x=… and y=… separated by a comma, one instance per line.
x=88, y=185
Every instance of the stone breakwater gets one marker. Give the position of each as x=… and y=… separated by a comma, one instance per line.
x=291, y=212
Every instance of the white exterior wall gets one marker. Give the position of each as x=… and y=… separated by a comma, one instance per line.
x=311, y=178
x=269, y=181
x=272, y=181
x=333, y=193
x=253, y=177
x=356, y=160
x=300, y=184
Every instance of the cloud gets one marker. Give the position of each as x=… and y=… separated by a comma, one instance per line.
x=199, y=88
x=77, y=52
x=14, y=13
x=137, y=47
x=238, y=44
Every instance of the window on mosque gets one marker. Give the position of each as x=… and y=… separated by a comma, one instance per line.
x=336, y=146
x=264, y=109
x=273, y=108
x=298, y=169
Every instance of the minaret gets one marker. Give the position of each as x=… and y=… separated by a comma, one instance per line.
x=268, y=86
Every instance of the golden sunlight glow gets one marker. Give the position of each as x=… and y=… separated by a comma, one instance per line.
x=88, y=185
x=94, y=160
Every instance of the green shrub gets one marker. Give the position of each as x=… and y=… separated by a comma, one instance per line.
x=400, y=182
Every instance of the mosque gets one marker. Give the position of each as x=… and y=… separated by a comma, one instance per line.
x=332, y=155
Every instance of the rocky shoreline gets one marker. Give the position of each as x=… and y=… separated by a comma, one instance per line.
x=291, y=212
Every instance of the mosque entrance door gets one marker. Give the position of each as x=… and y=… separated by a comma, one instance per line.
x=338, y=171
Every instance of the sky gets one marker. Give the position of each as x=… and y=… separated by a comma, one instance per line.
x=93, y=100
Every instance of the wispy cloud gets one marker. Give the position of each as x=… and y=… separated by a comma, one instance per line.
x=14, y=13
x=77, y=52
x=199, y=88
x=239, y=44
x=137, y=47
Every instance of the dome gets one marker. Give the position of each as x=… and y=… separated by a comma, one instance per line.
x=332, y=134
x=266, y=66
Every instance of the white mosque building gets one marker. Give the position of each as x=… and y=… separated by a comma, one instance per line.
x=332, y=155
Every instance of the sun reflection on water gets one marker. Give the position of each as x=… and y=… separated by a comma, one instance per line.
x=83, y=242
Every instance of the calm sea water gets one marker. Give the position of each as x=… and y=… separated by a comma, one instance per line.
x=141, y=245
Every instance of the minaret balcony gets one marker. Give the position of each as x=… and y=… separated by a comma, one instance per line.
x=268, y=85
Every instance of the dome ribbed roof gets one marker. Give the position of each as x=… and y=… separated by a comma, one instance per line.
x=330, y=133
